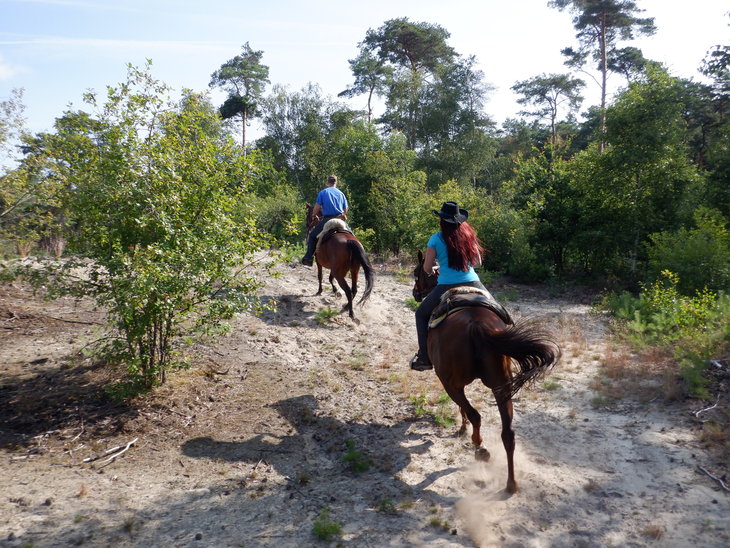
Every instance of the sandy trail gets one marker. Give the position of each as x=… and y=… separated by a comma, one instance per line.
x=251, y=446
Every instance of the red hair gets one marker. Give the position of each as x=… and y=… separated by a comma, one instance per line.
x=462, y=245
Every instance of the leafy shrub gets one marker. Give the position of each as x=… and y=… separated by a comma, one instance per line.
x=325, y=528
x=325, y=315
x=699, y=256
x=355, y=458
x=696, y=328
x=157, y=240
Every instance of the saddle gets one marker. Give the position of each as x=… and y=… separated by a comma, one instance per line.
x=330, y=228
x=459, y=298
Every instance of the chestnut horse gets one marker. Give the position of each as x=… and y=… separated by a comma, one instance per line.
x=311, y=219
x=475, y=343
x=339, y=250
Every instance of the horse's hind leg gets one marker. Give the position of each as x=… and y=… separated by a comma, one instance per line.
x=464, y=420
x=457, y=394
x=508, y=439
x=332, y=283
x=348, y=294
x=354, y=271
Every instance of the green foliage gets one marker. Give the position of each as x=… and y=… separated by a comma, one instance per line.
x=148, y=186
x=30, y=212
x=700, y=256
x=386, y=506
x=244, y=79
x=661, y=314
x=412, y=303
x=696, y=328
x=325, y=315
x=419, y=403
x=443, y=415
x=325, y=528
x=355, y=458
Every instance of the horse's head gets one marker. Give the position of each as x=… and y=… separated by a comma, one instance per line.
x=311, y=220
x=424, y=283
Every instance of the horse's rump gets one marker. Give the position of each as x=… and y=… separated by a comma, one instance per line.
x=531, y=349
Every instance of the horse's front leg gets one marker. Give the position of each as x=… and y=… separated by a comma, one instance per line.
x=508, y=439
x=319, y=277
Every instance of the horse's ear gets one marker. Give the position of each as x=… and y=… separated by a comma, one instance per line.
x=420, y=256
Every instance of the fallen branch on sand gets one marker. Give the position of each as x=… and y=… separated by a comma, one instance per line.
x=115, y=450
x=697, y=414
x=718, y=480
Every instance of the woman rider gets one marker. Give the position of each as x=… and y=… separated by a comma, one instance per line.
x=457, y=251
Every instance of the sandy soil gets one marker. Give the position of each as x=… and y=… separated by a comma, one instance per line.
x=266, y=432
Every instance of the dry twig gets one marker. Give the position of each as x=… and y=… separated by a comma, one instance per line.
x=718, y=480
x=110, y=451
x=697, y=414
x=114, y=456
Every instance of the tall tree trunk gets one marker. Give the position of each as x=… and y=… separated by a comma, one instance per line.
x=243, y=131
x=604, y=79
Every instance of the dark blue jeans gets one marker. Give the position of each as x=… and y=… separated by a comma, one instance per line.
x=423, y=312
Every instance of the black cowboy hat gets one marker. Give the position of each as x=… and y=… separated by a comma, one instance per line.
x=451, y=213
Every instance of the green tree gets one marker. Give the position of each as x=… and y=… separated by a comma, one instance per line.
x=699, y=256
x=30, y=211
x=629, y=62
x=152, y=192
x=417, y=52
x=12, y=122
x=548, y=93
x=244, y=78
x=600, y=25
x=715, y=129
x=642, y=183
x=371, y=77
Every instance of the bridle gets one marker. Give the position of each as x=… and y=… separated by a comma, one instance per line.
x=423, y=283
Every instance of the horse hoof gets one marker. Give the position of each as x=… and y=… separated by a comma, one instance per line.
x=482, y=454
x=511, y=487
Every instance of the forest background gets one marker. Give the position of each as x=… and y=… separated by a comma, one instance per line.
x=161, y=199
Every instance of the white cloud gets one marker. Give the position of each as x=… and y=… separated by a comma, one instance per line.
x=7, y=71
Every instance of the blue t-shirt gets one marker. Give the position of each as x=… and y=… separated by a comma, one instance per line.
x=332, y=200
x=449, y=275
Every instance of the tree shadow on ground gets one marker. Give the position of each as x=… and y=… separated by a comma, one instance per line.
x=58, y=399
x=290, y=310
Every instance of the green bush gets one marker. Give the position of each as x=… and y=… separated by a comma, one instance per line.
x=324, y=528
x=356, y=458
x=699, y=256
x=158, y=236
x=697, y=329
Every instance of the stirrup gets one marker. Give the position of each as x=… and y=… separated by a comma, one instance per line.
x=419, y=364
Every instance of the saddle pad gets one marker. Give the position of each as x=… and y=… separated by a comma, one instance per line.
x=330, y=230
x=459, y=298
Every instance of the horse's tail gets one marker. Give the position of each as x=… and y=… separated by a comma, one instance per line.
x=358, y=251
x=534, y=351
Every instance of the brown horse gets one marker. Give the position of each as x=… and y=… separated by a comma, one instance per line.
x=475, y=343
x=340, y=251
x=311, y=219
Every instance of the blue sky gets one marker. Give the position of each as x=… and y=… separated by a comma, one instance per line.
x=57, y=49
